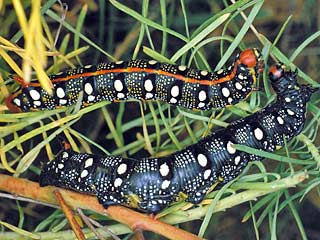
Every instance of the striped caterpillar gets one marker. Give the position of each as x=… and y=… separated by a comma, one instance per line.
x=142, y=79
x=151, y=184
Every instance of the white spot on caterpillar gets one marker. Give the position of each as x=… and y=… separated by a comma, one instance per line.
x=173, y=100
x=63, y=101
x=206, y=174
x=287, y=99
x=60, y=92
x=119, y=62
x=290, y=112
x=220, y=71
x=34, y=94
x=230, y=100
x=202, y=95
x=120, y=95
x=164, y=169
x=91, y=98
x=149, y=95
x=201, y=105
x=165, y=184
x=88, y=89
x=225, y=92
x=148, y=86
x=175, y=91
x=237, y=160
x=87, y=66
x=230, y=148
x=84, y=173
x=88, y=162
x=280, y=120
x=37, y=103
x=240, y=76
x=152, y=62
x=17, y=101
x=117, y=182
x=204, y=73
x=258, y=133
x=238, y=86
x=122, y=168
x=60, y=166
x=65, y=155
x=182, y=68
x=202, y=160
x=118, y=86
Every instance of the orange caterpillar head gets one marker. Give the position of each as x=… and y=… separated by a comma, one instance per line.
x=10, y=105
x=252, y=58
x=13, y=101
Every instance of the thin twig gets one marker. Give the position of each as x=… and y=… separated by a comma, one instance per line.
x=15, y=197
x=64, y=10
x=91, y=223
x=69, y=215
x=88, y=223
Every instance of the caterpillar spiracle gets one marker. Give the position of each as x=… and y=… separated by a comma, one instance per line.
x=143, y=79
x=152, y=184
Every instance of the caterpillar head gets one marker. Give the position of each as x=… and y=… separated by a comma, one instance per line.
x=282, y=79
x=284, y=82
x=252, y=58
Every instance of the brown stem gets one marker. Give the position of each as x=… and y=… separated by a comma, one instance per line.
x=69, y=215
x=132, y=219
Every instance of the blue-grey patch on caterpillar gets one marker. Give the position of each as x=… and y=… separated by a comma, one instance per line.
x=146, y=80
x=151, y=184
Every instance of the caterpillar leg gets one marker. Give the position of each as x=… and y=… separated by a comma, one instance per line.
x=152, y=206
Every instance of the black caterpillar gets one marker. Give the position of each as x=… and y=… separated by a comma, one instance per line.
x=142, y=79
x=152, y=184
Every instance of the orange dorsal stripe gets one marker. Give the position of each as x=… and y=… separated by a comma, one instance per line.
x=136, y=69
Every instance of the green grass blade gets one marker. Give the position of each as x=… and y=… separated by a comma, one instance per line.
x=199, y=37
x=255, y=10
x=303, y=45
